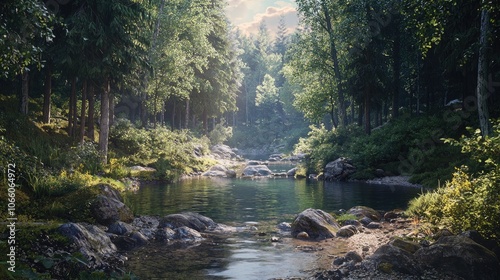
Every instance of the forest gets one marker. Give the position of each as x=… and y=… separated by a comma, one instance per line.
x=89, y=88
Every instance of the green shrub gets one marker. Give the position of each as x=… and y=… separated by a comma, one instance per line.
x=220, y=134
x=470, y=201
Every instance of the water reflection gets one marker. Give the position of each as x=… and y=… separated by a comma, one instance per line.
x=242, y=202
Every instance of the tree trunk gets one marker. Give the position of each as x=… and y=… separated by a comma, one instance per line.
x=72, y=108
x=205, y=122
x=396, y=66
x=482, y=74
x=91, y=95
x=24, y=93
x=336, y=67
x=187, y=114
x=47, y=94
x=104, y=126
x=111, y=108
x=82, y=112
x=367, y=109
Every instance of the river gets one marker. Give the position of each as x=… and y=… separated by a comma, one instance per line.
x=255, y=206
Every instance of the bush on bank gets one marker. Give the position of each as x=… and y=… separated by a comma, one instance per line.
x=470, y=200
x=409, y=145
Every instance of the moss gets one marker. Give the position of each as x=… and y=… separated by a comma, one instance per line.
x=385, y=267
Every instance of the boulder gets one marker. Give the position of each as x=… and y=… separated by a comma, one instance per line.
x=461, y=256
x=373, y=225
x=388, y=258
x=108, y=210
x=92, y=242
x=257, y=170
x=221, y=151
x=219, y=170
x=180, y=234
x=338, y=170
x=192, y=220
x=363, y=211
x=120, y=228
x=408, y=246
x=316, y=223
x=347, y=231
x=291, y=172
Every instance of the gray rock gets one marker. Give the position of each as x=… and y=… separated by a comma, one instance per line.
x=219, y=170
x=338, y=170
x=192, y=220
x=353, y=256
x=120, y=228
x=221, y=151
x=291, y=172
x=373, y=225
x=316, y=223
x=347, y=231
x=284, y=226
x=388, y=258
x=461, y=256
x=408, y=246
x=257, y=170
x=363, y=211
x=93, y=243
x=365, y=221
x=107, y=210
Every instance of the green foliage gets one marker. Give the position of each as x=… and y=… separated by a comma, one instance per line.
x=172, y=153
x=345, y=217
x=470, y=199
x=405, y=145
x=220, y=134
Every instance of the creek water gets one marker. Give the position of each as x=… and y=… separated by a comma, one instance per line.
x=255, y=206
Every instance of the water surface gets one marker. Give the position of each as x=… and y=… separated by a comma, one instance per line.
x=257, y=205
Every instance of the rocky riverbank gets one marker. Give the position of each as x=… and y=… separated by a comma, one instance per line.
x=391, y=246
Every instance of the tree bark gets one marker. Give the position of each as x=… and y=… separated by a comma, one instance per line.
x=187, y=114
x=72, y=108
x=111, y=108
x=24, y=93
x=104, y=126
x=336, y=67
x=47, y=93
x=82, y=112
x=91, y=130
x=367, y=109
x=482, y=74
x=396, y=66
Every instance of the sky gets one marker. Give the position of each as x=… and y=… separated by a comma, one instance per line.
x=248, y=14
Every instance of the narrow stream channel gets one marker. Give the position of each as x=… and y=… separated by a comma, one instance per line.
x=259, y=205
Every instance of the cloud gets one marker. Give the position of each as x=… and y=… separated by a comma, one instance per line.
x=271, y=16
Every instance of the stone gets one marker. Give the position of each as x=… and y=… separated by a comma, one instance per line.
x=92, y=242
x=373, y=225
x=192, y=220
x=302, y=235
x=363, y=211
x=120, y=228
x=187, y=234
x=291, y=172
x=347, y=231
x=353, y=256
x=388, y=258
x=123, y=242
x=316, y=223
x=107, y=210
x=257, y=170
x=284, y=226
x=461, y=256
x=365, y=221
x=221, y=151
x=219, y=170
x=355, y=223
x=408, y=246
x=338, y=170
x=391, y=215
